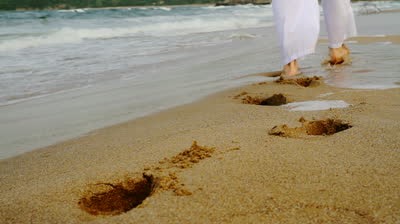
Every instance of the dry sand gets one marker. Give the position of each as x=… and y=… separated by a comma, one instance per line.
x=239, y=171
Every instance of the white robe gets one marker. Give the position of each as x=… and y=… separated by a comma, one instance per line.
x=297, y=23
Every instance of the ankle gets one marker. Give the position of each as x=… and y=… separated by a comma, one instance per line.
x=337, y=55
x=291, y=68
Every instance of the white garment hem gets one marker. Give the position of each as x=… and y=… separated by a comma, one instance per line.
x=339, y=44
x=336, y=45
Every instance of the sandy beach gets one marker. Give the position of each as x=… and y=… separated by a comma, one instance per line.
x=243, y=175
x=259, y=153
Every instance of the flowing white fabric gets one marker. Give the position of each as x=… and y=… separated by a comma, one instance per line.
x=297, y=23
x=339, y=20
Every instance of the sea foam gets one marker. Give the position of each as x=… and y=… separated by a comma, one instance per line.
x=173, y=28
x=316, y=105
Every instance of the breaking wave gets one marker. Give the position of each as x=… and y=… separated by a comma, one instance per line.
x=75, y=35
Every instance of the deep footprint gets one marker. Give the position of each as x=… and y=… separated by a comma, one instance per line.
x=119, y=198
x=114, y=199
x=275, y=100
x=316, y=127
x=305, y=81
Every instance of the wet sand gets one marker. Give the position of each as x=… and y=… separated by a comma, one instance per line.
x=239, y=171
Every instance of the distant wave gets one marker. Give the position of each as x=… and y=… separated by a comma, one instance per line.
x=172, y=28
x=247, y=6
x=215, y=7
x=164, y=8
x=73, y=10
x=372, y=7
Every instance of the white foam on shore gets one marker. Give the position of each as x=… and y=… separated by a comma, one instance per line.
x=385, y=43
x=374, y=86
x=325, y=94
x=315, y=105
x=241, y=36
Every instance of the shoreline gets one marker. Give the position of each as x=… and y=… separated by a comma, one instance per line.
x=285, y=172
x=62, y=97
x=271, y=74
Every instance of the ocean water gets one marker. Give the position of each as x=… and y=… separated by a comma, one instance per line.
x=67, y=72
x=45, y=52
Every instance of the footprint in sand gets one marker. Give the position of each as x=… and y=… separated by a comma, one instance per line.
x=314, y=127
x=114, y=199
x=303, y=81
x=274, y=100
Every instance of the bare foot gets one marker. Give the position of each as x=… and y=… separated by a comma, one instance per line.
x=337, y=54
x=290, y=70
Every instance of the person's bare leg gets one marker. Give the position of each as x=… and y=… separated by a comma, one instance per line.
x=340, y=24
x=337, y=55
x=297, y=24
x=291, y=69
